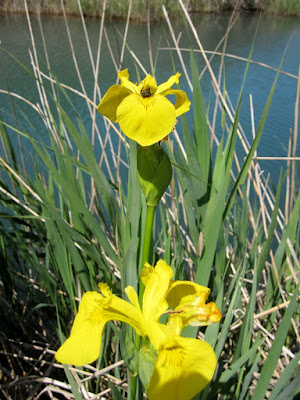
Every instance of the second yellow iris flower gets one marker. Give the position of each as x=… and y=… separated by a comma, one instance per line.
x=183, y=366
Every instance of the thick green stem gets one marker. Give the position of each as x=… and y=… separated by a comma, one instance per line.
x=145, y=258
x=148, y=234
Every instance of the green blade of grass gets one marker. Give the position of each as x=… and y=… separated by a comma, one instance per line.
x=200, y=124
x=275, y=351
x=235, y=367
x=291, y=391
x=74, y=385
x=292, y=370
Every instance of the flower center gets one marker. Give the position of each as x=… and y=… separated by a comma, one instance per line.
x=146, y=92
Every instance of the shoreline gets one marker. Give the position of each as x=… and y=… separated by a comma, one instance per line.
x=139, y=10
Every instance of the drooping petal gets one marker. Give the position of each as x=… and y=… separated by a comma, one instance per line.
x=170, y=82
x=182, y=104
x=146, y=120
x=183, y=368
x=157, y=283
x=111, y=101
x=83, y=346
x=186, y=292
x=201, y=315
x=124, y=78
x=95, y=310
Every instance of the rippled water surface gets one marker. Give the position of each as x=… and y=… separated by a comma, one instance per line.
x=274, y=36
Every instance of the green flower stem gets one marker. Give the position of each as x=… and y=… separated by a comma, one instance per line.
x=145, y=258
x=147, y=244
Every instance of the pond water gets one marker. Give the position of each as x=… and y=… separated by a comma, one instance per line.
x=274, y=35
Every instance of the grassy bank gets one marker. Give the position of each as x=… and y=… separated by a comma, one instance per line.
x=119, y=9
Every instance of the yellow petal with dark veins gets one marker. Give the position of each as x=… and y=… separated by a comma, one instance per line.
x=146, y=120
x=182, y=369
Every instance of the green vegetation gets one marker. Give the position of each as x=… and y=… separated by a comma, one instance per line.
x=74, y=221
x=139, y=8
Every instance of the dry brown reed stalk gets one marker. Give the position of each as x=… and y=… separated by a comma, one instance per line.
x=43, y=366
x=292, y=196
x=233, y=19
x=275, y=158
x=149, y=40
x=18, y=201
x=257, y=175
x=20, y=180
x=224, y=54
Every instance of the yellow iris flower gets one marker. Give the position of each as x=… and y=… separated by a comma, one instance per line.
x=183, y=366
x=143, y=112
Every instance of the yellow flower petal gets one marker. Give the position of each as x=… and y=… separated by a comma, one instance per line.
x=182, y=369
x=202, y=315
x=170, y=82
x=175, y=322
x=146, y=273
x=116, y=309
x=132, y=296
x=186, y=292
x=95, y=310
x=124, y=78
x=111, y=101
x=148, y=83
x=158, y=334
x=146, y=120
x=215, y=315
x=83, y=346
x=182, y=104
x=154, y=304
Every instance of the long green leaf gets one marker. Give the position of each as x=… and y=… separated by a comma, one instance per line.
x=292, y=370
x=235, y=367
x=275, y=351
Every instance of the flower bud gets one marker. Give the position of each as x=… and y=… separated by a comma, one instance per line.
x=154, y=172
